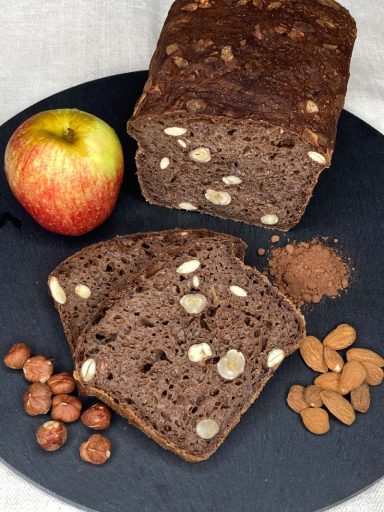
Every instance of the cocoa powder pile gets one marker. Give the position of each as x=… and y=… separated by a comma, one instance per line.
x=308, y=271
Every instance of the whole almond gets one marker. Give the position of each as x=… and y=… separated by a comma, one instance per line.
x=333, y=360
x=375, y=374
x=352, y=376
x=311, y=350
x=342, y=337
x=312, y=396
x=329, y=382
x=339, y=407
x=316, y=420
x=295, y=398
x=365, y=355
x=361, y=398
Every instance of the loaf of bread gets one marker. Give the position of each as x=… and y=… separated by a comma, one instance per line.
x=83, y=281
x=188, y=345
x=238, y=117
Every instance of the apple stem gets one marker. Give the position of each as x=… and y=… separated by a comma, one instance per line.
x=69, y=135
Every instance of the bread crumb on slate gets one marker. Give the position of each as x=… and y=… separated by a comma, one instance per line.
x=275, y=239
x=261, y=251
x=308, y=271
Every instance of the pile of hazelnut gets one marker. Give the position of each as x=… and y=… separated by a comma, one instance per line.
x=51, y=392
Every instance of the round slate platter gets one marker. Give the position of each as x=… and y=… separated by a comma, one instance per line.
x=269, y=462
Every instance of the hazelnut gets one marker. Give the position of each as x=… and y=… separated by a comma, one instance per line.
x=38, y=369
x=66, y=408
x=98, y=417
x=17, y=355
x=61, y=383
x=37, y=399
x=51, y=435
x=96, y=450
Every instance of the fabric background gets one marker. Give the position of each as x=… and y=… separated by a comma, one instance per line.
x=47, y=46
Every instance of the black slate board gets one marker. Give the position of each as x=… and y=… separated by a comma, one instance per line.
x=269, y=463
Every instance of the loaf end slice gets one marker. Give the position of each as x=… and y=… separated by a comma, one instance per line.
x=238, y=117
x=89, y=276
x=159, y=352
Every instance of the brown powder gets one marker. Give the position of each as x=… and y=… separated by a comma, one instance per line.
x=308, y=271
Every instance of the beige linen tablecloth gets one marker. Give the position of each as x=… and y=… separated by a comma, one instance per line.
x=47, y=46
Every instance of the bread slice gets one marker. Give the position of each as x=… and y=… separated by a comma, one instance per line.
x=88, y=276
x=238, y=116
x=136, y=356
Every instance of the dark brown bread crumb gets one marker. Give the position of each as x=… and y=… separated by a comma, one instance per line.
x=140, y=345
x=105, y=266
x=259, y=86
x=308, y=271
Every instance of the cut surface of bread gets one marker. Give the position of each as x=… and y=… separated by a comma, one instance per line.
x=238, y=117
x=89, y=276
x=188, y=345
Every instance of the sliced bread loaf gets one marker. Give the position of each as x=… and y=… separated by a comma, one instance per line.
x=81, y=283
x=188, y=345
x=239, y=114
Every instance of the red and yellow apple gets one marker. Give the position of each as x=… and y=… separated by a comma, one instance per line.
x=65, y=167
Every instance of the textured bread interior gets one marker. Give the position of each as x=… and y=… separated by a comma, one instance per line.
x=140, y=344
x=105, y=266
x=277, y=176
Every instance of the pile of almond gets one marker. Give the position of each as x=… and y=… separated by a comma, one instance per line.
x=50, y=391
x=363, y=368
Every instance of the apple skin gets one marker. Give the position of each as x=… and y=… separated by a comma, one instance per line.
x=65, y=167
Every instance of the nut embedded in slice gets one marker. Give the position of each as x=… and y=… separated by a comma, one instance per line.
x=236, y=290
x=232, y=180
x=207, y=429
x=198, y=352
x=57, y=291
x=188, y=267
x=317, y=157
x=375, y=374
x=83, y=291
x=329, y=382
x=353, y=375
x=316, y=420
x=312, y=396
x=164, y=163
x=37, y=399
x=275, y=357
x=295, y=398
x=200, y=155
x=96, y=450
x=311, y=350
x=175, y=131
x=333, y=360
x=196, y=281
x=217, y=197
x=339, y=407
x=66, y=408
x=38, y=369
x=361, y=398
x=193, y=303
x=187, y=206
x=62, y=382
x=98, y=417
x=88, y=369
x=231, y=365
x=365, y=355
x=17, y=356
x=270, y=219
x=342, y=337
x=51, y=435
